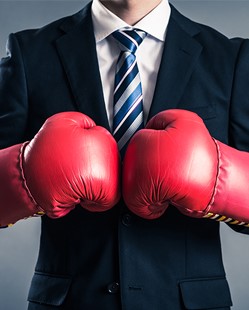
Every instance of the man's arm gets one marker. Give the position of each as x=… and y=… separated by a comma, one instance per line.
x=70, y=160
x=13, y=110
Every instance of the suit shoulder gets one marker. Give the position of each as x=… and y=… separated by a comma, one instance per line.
x=47, y=31
x=207, y=36
x=51, y=31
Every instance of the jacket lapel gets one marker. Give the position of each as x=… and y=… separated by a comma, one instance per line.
x=180, y=55
x=77, y=50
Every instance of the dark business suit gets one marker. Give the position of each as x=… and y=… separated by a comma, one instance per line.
x=170, y=263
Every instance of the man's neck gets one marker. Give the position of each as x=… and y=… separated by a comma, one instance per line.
x=130, y=11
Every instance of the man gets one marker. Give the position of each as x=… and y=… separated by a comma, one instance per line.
x=116, y=259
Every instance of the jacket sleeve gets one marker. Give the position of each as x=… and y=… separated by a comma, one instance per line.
x=13, y=96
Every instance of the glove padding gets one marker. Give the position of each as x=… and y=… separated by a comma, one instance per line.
x=176, y=161
x=70, y=161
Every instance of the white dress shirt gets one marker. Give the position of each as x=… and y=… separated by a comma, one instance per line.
x=148, y=54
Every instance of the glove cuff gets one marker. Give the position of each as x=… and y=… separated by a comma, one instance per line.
x=230, y=201
x=16, y=201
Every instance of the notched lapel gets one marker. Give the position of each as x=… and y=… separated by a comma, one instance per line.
x=180, y=55
x=77, y=50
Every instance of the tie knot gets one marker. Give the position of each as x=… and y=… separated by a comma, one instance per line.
x=129, y=40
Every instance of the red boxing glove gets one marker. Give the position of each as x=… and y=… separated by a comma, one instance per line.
x=175, y=160
x=69, y=161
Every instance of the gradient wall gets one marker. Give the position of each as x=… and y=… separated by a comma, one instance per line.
x=19, y=244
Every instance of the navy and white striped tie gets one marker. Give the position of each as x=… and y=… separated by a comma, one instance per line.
x=128, y=98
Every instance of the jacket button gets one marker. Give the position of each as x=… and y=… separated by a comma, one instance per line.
x=127, y=219
x=113, y=288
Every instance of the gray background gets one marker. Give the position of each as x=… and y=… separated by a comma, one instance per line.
x=19, y=244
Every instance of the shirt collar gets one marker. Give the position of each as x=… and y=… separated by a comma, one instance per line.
x=155, y=23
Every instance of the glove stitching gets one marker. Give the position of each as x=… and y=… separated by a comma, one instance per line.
x=40, y=210
x=212, y=200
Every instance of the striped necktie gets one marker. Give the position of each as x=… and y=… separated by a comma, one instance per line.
x=128, y=99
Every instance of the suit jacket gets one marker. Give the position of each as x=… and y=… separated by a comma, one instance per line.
x=116, y=260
